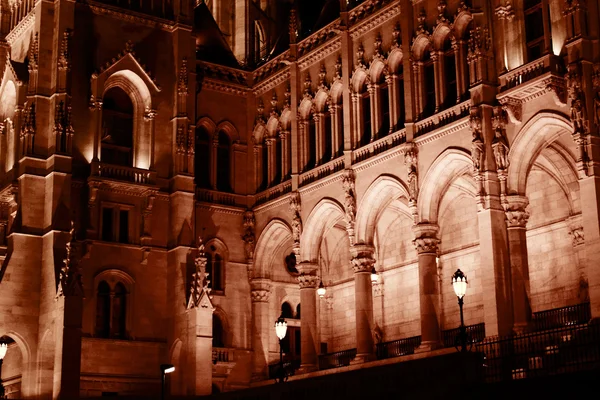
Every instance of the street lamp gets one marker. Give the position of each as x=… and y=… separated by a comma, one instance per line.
x=3, y=350
x=280, y=331
x=321, y=290
x=374, y=276
x=459, y=284
x=164, y=370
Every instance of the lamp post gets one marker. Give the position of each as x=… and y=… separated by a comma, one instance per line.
x=164, y=370
x=3, y=350
x=280, y=331
x=459, y=284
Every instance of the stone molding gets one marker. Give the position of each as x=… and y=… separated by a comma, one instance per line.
x=260, y=290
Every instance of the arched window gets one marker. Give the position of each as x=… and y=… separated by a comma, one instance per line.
x=117, y=128
x=286, y=310
x=214, y=267
x=202, y=160
x=223, y=163
x=366, y=111
x=260, y=43
x=298, y=311
x=311, y=130
x=384, y=96
x=111, y=310
x=103, y=310
x=218, y=333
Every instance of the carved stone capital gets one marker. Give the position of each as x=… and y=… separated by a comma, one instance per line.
x=261, y=290
x=307, y=281
x=426, y=240
x=516, y=213
x=362, y=258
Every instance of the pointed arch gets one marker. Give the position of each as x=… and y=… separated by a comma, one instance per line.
x=305, y=108
x=358, y=79
x=229, y=129
x=439, y=35
x=539, y=132
x=376, y=70
x=326, y=213
x=285, y=119
x=394, y=60
x=420, y=45
x=321, y=99
x=208, y=124
x=448, y=166
x=277, y=233
x=376, y=198
x=272, y=126
x=461, y=23
x=336, y=91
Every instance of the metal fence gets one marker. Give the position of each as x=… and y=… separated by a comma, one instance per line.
x=337, y=359
x=564, y=316
x=562, y=350
x=397, y=348
x=475, y=334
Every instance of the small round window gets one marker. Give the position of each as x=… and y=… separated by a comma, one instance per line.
x=290, y=264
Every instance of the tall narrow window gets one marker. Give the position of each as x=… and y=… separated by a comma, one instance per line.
x=278, y=167
x=202, y=161
x=327, y=139
x=366, y=111
x=286, y=310
x=107, y=224
x=124, y=226
x=400, y=82
x=117, y=128
x=218, y=334
x=429, y=85
x=118, y=312
x=223, y=163
x=385, y=110
x=450, y=73
x=534, y=28
x=265, y=167
x=312, y=143
x=103, y=310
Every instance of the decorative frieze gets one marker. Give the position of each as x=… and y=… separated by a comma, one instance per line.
x=505, y=12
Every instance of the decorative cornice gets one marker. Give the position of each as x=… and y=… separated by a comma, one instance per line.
x=132, y=16
x=320, y=53
x=220, y=208
x=459, y=125
x=271, y=82
x=224, y=87
x=25, y=24
x=365, y=17
x=378, y=159
x=126, y=188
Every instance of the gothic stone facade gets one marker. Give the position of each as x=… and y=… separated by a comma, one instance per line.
x=410, y=137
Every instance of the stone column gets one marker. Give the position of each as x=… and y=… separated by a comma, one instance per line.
x=335, y=136
x=358, y=119
x=362, y=263
x=426, y=243
x=283, y=136
x=319, y=137
x=213, y=160
x=373, y=90
x=257, y=168
x=261, y=324
x=271, y=160
x=516, y=221
x=394, y=107
x=308, y=281
x=440, y=85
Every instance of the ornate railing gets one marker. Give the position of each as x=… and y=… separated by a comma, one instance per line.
x=443, y=118
x=475, y=333
x=161, y=9
x=530, y=71
x=565, y=350
x=19, y=10
x=122, y=173
x=273, y=193
x=322, y=171
x=560, y=317
x=397, y=348
x=337, y=359
x=379, y=146
x=222, y=198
